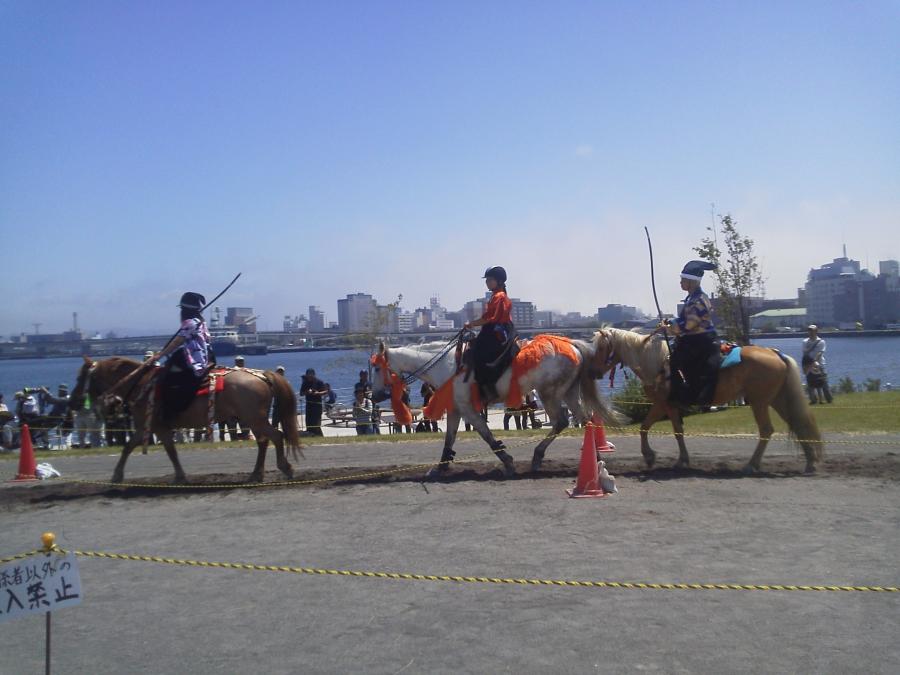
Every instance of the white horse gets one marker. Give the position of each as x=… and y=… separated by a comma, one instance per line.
x=558, y=378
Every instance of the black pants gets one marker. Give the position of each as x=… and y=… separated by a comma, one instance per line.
x=179, y=387
x=314, y=418
x=695, y=367
x=490, y=353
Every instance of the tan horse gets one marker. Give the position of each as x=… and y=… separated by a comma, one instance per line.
x=245, y=396
x=764, y=377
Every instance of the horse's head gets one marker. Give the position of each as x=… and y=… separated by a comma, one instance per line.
x=85, y=385
x=604, y=354
x=381, y=377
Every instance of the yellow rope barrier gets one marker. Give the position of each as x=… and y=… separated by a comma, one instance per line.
x=408, y=576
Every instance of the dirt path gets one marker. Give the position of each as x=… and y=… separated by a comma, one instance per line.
x=705, y=525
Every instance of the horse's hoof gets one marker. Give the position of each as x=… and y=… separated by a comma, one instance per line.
x=749, y=470
x=287, y=470
x=255, y=478
x=810, y=470
x=437, y=471
x=679, y=465
x=117, y=478
x=650, y=459
x=536, y=465
x=509, y=467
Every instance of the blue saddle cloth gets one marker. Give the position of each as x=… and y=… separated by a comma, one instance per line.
x=731, y=359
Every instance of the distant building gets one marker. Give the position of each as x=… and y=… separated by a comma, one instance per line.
x=774, y=319
x=841, y=294
x=522, y=313
x=241, y=318
x=405, y=322
x=615, y=314
x=543, y=319
x=356, y=313
x=316, y=321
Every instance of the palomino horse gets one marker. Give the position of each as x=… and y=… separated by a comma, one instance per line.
x=559, y=368
x=245, y=396
x=764, y=377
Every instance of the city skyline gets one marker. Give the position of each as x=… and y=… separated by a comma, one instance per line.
x=322, y=320
x=324, y=148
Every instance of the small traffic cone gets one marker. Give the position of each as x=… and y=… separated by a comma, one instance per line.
x=27, y=466
x=599, y=433
x=588, y=483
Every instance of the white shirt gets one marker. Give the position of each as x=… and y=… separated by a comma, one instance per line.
x=814, y=348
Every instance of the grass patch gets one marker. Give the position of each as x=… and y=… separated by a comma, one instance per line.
x=860, y=412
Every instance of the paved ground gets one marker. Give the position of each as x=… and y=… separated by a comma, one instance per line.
x=707, y=525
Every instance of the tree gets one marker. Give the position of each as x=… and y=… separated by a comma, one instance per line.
x=737, y=276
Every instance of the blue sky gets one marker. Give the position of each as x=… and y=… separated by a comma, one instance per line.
x=395, y=147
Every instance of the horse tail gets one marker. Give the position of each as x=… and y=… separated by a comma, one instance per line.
x=286, y=408
x=790, y=402
x=591, y=400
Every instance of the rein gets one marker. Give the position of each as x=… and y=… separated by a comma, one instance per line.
x=433, y=361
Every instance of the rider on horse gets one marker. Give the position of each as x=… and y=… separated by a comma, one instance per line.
x=191, y=357
x=492, y=349
x=695, y=356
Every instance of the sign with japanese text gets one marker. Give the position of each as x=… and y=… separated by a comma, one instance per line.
x=41, y=583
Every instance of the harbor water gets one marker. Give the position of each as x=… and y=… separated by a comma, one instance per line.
x=858, y=358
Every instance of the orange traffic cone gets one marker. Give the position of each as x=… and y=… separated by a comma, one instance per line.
x=588, y=483
x=27, y=466
x=599, y=433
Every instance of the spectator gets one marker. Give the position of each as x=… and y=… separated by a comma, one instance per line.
x=398, y=428
x=330, y=398
x=427, y=391
x=313, y=389
x=280, y=370
x=516, y=414
x=813, y=363
x=363, y=384
x=3, y=407
x=362, y=413
x=530, y=407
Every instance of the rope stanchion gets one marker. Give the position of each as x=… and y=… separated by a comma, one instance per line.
x=471, y=579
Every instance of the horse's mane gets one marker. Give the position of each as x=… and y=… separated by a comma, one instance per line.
x=644, y=354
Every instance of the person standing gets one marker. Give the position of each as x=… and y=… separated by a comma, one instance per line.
x=813, y=363
x=694, y=361
x=427, y=391
x=362, y=413
x=313, y=389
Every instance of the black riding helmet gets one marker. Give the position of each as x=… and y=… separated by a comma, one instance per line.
x=497, y=273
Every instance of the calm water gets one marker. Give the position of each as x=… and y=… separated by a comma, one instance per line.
x=858, y=358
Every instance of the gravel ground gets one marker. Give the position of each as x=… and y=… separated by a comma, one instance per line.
x=704, y=525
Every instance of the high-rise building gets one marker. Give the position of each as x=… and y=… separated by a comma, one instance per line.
x=357, y=313
x=241, y=318
x=833, y=293
x=316, y=322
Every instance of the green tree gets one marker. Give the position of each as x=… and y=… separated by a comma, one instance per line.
x=737, y=277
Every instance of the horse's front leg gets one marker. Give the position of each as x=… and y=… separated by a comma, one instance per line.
x=119, y=472
x=448, y=453
x=481, y=426
x=655, y=414
x=167, y=437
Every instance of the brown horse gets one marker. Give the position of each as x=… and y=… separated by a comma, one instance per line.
x=764, y=377
x=246, y=396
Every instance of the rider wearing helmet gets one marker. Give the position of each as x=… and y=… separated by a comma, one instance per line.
x=491, y=350
x=191, y=356
x=694, y=361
